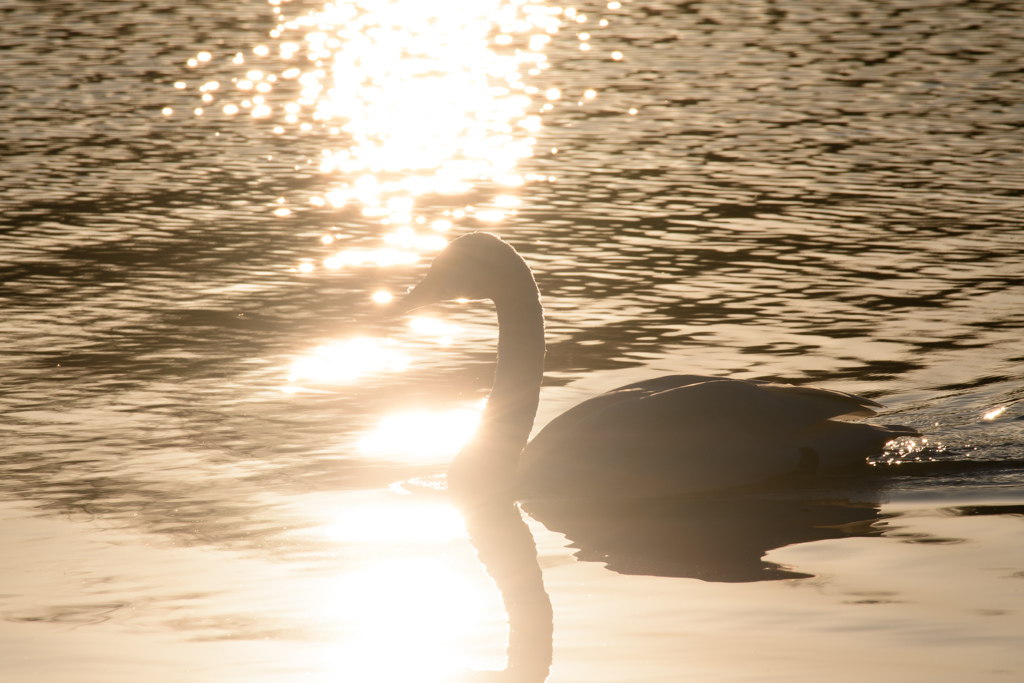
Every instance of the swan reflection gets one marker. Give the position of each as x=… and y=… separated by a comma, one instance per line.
x=717, y=539
x=507, y=550
x=721, y=538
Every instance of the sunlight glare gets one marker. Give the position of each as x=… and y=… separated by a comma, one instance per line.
x=993, y=414
x=419, y=607
x=421, y=437
x=441, y=331
x=407, y=238
x=490, y=215
x=421, y=98
x=344, y=362
x=417, y=522
x=377, y=257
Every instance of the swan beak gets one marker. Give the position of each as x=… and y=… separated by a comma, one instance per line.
x=425, y=293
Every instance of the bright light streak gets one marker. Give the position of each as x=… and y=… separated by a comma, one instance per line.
x=375, y=257
x=344, y=362
x=419, y=607
x=993, y=414
x=415, y=522
x=421, y=437
x=425, y=98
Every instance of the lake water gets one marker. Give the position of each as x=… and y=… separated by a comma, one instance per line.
x=219, y=462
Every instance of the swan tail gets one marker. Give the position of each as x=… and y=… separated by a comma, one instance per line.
x=901, y=430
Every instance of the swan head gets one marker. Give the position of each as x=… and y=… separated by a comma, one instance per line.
x=474, y=267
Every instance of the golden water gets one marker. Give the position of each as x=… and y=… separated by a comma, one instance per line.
x=219, y=462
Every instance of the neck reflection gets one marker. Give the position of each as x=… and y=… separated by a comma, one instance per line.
x=508, y=552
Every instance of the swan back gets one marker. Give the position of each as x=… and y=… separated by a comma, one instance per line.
x=686, y=433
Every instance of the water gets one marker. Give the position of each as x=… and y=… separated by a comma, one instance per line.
x=207, y=423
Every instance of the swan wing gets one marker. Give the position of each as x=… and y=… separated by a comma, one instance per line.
x=824, y=402
x=575, y=419
x=684, y=399
x=698, y=433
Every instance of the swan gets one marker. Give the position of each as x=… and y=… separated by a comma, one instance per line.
x=678, y=434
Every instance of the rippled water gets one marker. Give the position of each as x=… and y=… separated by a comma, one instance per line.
x=204, y=415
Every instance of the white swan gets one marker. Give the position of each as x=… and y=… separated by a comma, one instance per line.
x=671, y=435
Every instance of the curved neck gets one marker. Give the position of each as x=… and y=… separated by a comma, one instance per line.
x=520, y=370
x=489, y=459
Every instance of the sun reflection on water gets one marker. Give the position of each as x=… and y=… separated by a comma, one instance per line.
x=377, y=257
x=994, y=413
x=440, y=331
x=426, y=101
x=345, y=361
x=420, y=437
x=410, y=98
x=410, y=614
x=403, y=106
x=432, y=522
x=424, y=603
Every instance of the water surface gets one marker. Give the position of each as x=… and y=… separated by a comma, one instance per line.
x=209, y=430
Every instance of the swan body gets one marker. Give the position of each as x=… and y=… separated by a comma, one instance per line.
x=666, y=436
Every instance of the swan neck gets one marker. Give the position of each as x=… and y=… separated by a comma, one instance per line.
x=487, y=463
x=520, y=368
x=491, y=457
x=512, y=405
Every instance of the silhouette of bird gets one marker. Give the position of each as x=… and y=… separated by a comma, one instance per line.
x=671, y=435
